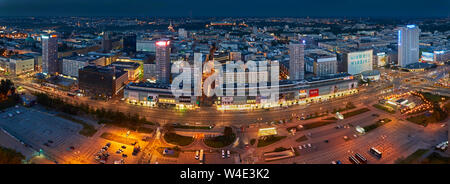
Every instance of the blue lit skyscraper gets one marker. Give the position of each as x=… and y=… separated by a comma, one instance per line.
x=408, y=45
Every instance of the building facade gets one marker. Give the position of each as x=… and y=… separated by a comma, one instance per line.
x=50, y=54
x=101, y=81
x=355, y=62
x=71, y=65
x=408, y=45
x=297, y=61
x=325, y=66
x=162, y=61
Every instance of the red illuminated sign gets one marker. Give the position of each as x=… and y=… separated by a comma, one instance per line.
x=162, y=43
x=313, y=92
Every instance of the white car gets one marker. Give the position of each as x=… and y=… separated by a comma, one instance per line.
x=228, y=153
x=223, y=153
x=197, y=155
x=300, y=147
x=309, y=145
x=304, y=146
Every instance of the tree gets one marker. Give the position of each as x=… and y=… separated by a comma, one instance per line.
x=228, y=131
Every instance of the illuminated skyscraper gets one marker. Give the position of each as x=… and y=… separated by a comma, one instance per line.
x=129, y=43
x=106, y=42
x=408, y=45
x=163, y=61
x=297, y=61
x=50, y=54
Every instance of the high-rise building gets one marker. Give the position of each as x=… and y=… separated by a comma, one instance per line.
x=50, y=53
x=145, y=45
x=297, y=61
x=408, y=45
x=235, y=56
x=106, y=42
x=129, y=43
x=162, y=61
x=182, y=33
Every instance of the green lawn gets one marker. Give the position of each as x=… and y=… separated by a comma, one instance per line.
x=424, y=120
x=252, y=141
x=267, y=140
x=117, y=138
x=220, y=141
x=376, y=124
x=176, y=139
x=434, y=98
x=88, y=130
x=413, y=158
x=317, y=124
x=436, y=158
x=145, y=130
x=9, y=156
x=355, y=112
x=302, y=138
x=191, y=127
x=384, y=108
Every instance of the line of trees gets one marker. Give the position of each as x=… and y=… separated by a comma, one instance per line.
x=104, y=116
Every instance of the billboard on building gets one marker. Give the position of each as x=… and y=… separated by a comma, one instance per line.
x=133, y=95
x=313, y=92
x=381, y=59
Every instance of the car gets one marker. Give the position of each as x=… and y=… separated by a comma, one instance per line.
x=108, y=144
x=10, y=115
x=134, y=143
x=223, y=153
x=300, y=147
x=354, y=135
x=124, y=147
x=304, y=146
x=228, y=153
x=326, y=141
x=124, y=155
x=345, y=138
x=72, y=147
x=338, y=162
x=333, y=162
x=46, y=144
x=50, y=141
x=309, y=145
x=18, y=112
x=197, y=155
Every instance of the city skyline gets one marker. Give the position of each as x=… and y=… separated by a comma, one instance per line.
x=200, y=8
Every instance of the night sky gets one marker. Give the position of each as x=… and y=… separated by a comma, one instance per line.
x=196, y=8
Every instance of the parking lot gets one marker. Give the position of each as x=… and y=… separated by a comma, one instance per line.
x=41, y=130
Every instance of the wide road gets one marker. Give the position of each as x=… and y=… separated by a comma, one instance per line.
x=210, y=115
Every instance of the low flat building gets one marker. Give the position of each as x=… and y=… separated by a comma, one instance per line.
x=154, y=94
x=71, y=65
x=17, y=64
x=134, y=69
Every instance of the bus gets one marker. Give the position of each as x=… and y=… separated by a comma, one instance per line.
x=361, y=158
x=353, y=160
x=201, y=156
x=375, y=152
